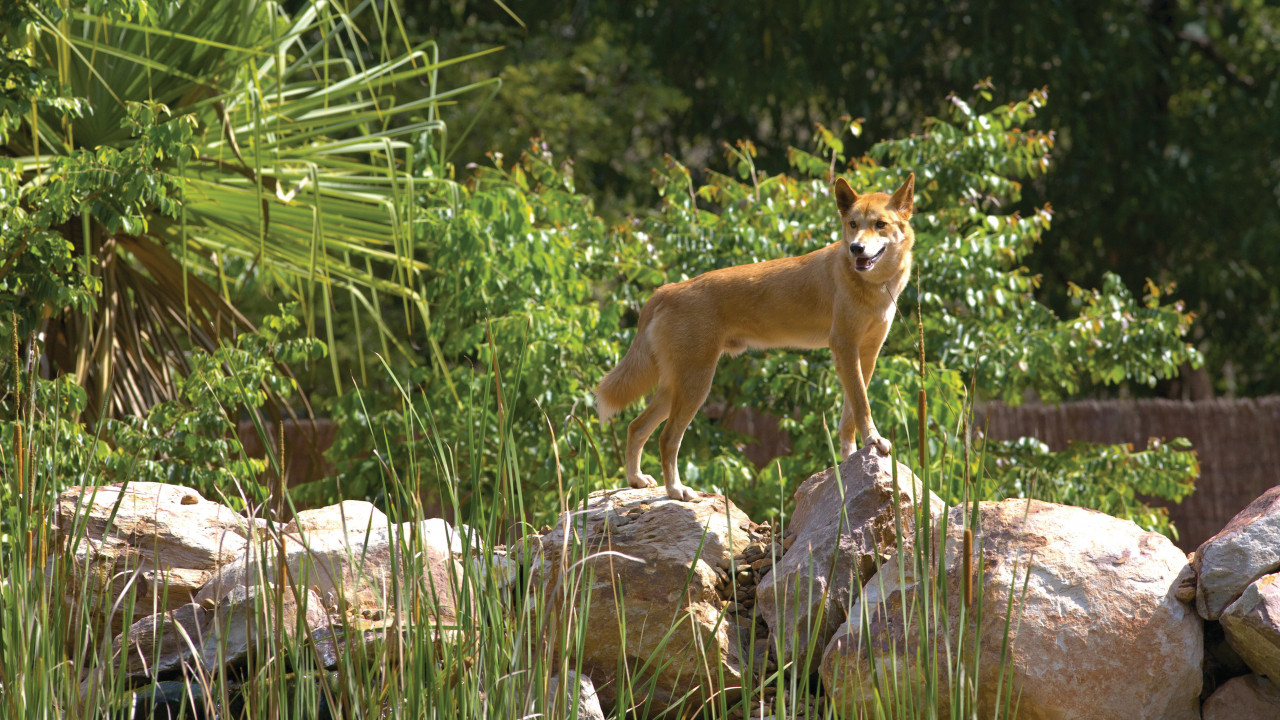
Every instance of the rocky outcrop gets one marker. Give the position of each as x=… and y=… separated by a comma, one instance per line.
x=1097, y=629
x=162, y=541
x=845, y=524
x=1245, y=550
x=1248, y=696
x=672, y=607
x=654, y=568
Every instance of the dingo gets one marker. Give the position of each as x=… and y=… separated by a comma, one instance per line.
x=842, y=296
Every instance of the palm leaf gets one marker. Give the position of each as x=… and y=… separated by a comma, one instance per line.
x=302, y=172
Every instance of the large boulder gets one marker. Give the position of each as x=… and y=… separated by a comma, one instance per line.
x=163, y=541
x=1247, y=696
x=654, y=567
x=1243, y=551
x=845, y=524
x=1097, y=629
x=1252, y=625
x=352, y=558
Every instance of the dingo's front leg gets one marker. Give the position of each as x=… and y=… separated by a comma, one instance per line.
x=855, y=415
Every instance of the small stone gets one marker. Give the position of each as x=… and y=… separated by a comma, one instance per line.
x=1186, y=592
x=190, y=500
x=745, y=577
x=788, y=541
x=763, y=563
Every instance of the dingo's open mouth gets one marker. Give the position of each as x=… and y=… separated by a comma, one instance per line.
x=866, y=263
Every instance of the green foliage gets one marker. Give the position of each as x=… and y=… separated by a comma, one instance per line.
x=1115, y=479
x=185, y=163
x=1164, y=158
x=596, y=99
x=534, y=298
x=515, y=258
x=189, y=441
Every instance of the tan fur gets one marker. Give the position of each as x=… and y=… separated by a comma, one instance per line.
x=814, y=300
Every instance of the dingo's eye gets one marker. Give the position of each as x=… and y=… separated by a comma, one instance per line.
x=853, y=224
x=880, y=224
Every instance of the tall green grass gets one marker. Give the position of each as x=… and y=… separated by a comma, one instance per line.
x=514, y=630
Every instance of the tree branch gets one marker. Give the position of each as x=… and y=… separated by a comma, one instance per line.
x=1206, y=48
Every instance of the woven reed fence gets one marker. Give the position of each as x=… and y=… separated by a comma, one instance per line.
x=1237, y=442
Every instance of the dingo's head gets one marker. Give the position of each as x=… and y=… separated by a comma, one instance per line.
x=876, y=228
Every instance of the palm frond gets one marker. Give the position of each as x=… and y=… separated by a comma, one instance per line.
x=302, y=176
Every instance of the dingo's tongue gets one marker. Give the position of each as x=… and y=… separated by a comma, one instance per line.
x=866, y=263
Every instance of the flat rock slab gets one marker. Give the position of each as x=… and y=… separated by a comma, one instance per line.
x=203, y=638
x=162, y=540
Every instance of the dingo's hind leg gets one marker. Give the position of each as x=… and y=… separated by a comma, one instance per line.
x=638, y=433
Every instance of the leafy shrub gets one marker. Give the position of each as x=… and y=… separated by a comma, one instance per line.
x=533, y=298
x=188, y=441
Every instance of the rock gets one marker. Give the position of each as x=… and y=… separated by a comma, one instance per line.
x=1099, y=632
x=164, y=540
x=204, y=638
x=1252, y=625
x=651, y=566
x=1243, y=551
x=344, y=554
x=838, y=537
x=1247, y=696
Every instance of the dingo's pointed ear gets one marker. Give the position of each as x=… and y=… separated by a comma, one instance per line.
x=845, y=196
x=903, y=200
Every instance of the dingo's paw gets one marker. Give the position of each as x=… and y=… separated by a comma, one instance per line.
x=884, y=447
x=642, y=481
x=682, y=492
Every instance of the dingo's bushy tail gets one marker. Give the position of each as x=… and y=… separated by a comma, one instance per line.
x=632, y=378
